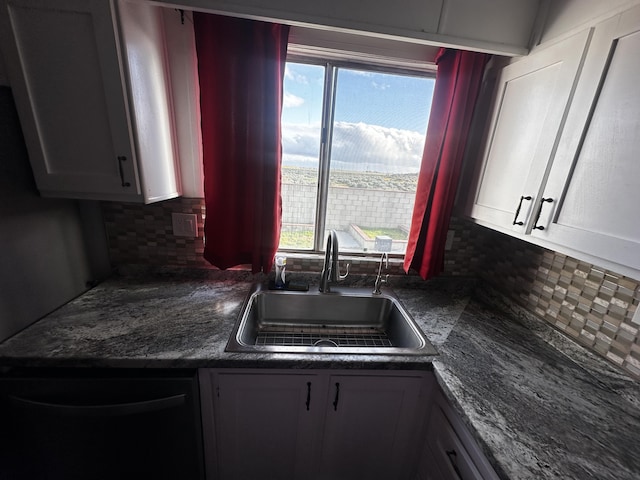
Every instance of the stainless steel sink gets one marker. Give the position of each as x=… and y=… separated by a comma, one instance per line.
x=345, y=321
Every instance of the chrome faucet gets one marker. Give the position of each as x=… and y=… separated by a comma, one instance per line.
x=379, y=280
x=331, y=270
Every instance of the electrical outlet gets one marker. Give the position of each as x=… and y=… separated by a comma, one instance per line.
x=185, y=224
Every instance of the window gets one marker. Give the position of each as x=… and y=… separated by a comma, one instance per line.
x=352, y=140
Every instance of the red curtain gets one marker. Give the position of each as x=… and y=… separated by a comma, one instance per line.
x=241, y=68
x=456, y=90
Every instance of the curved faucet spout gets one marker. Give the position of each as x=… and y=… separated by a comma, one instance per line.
x=384, y=260
x=331, y=268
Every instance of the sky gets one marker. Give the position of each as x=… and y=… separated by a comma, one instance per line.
x=379, y=125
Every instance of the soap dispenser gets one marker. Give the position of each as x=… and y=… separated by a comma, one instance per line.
x=281, y=264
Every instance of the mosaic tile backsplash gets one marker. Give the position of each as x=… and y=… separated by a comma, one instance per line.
x=142, y=234
x=592, y=305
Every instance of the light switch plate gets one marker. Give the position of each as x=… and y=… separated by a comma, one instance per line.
x=185, y=224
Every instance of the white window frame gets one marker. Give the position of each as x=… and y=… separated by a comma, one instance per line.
x=332, y=60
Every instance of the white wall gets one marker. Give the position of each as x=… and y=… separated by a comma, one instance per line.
x=43, y=260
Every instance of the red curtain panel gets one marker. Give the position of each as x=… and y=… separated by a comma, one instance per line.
x=241, y=67
x=456, y=90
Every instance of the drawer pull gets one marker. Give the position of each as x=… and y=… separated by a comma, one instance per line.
x=542, y=202
x=335, y=401
x=308, y=395
x=515, y=219
x=121, y=160
x=453, y=460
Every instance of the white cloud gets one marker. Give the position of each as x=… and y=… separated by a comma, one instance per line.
x=356, y=146
x=380, y=86
x=295, y=76
x=290, y=100
x=300, y=143
x=361, y=73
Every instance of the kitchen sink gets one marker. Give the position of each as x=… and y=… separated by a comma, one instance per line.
x=344, y=321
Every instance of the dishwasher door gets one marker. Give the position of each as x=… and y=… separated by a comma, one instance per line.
x=106, y=427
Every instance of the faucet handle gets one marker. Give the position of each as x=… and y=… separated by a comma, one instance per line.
x=380, y=280
x=342, y=277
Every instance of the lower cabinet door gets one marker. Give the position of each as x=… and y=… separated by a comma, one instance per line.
x=267, y=425
x=312, y=425
x=371, y=427
x=428, y=468
x=448, y=452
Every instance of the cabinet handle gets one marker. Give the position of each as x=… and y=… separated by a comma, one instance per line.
x=515, y=219
x=535, y=225
x=121, y=160
x=308, y=395
x=335, y=401
x=453, y=460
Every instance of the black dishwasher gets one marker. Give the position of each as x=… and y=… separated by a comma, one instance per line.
x=100, y=425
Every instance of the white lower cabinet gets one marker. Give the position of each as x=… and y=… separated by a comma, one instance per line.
x=312, y=424
x=371, y=426
x=266, y=425
x=450, y=452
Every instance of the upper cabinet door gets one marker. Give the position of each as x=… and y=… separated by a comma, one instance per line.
x=64, y=67
x=593, y=191
x=529, y=105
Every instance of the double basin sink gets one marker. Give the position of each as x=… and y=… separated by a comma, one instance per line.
x=343, y=321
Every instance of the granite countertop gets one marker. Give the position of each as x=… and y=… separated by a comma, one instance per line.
x=539, y=405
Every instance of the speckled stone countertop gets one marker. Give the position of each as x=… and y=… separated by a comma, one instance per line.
x=540, y=406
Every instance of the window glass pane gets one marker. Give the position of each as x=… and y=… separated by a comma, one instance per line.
x=379, y=128
x=301, y=127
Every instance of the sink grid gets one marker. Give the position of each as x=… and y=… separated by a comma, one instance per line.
x=364, y=337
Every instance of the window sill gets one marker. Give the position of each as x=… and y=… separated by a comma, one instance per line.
x=361, y=264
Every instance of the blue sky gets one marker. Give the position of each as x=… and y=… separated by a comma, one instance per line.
x=380, y=119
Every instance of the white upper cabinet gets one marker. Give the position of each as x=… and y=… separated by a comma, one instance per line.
x=592, y=195
x=65, y=66
x=564, y=138
x=143, y=40
x=529, y=104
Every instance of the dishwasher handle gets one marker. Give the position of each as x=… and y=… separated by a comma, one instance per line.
x=108, y=410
